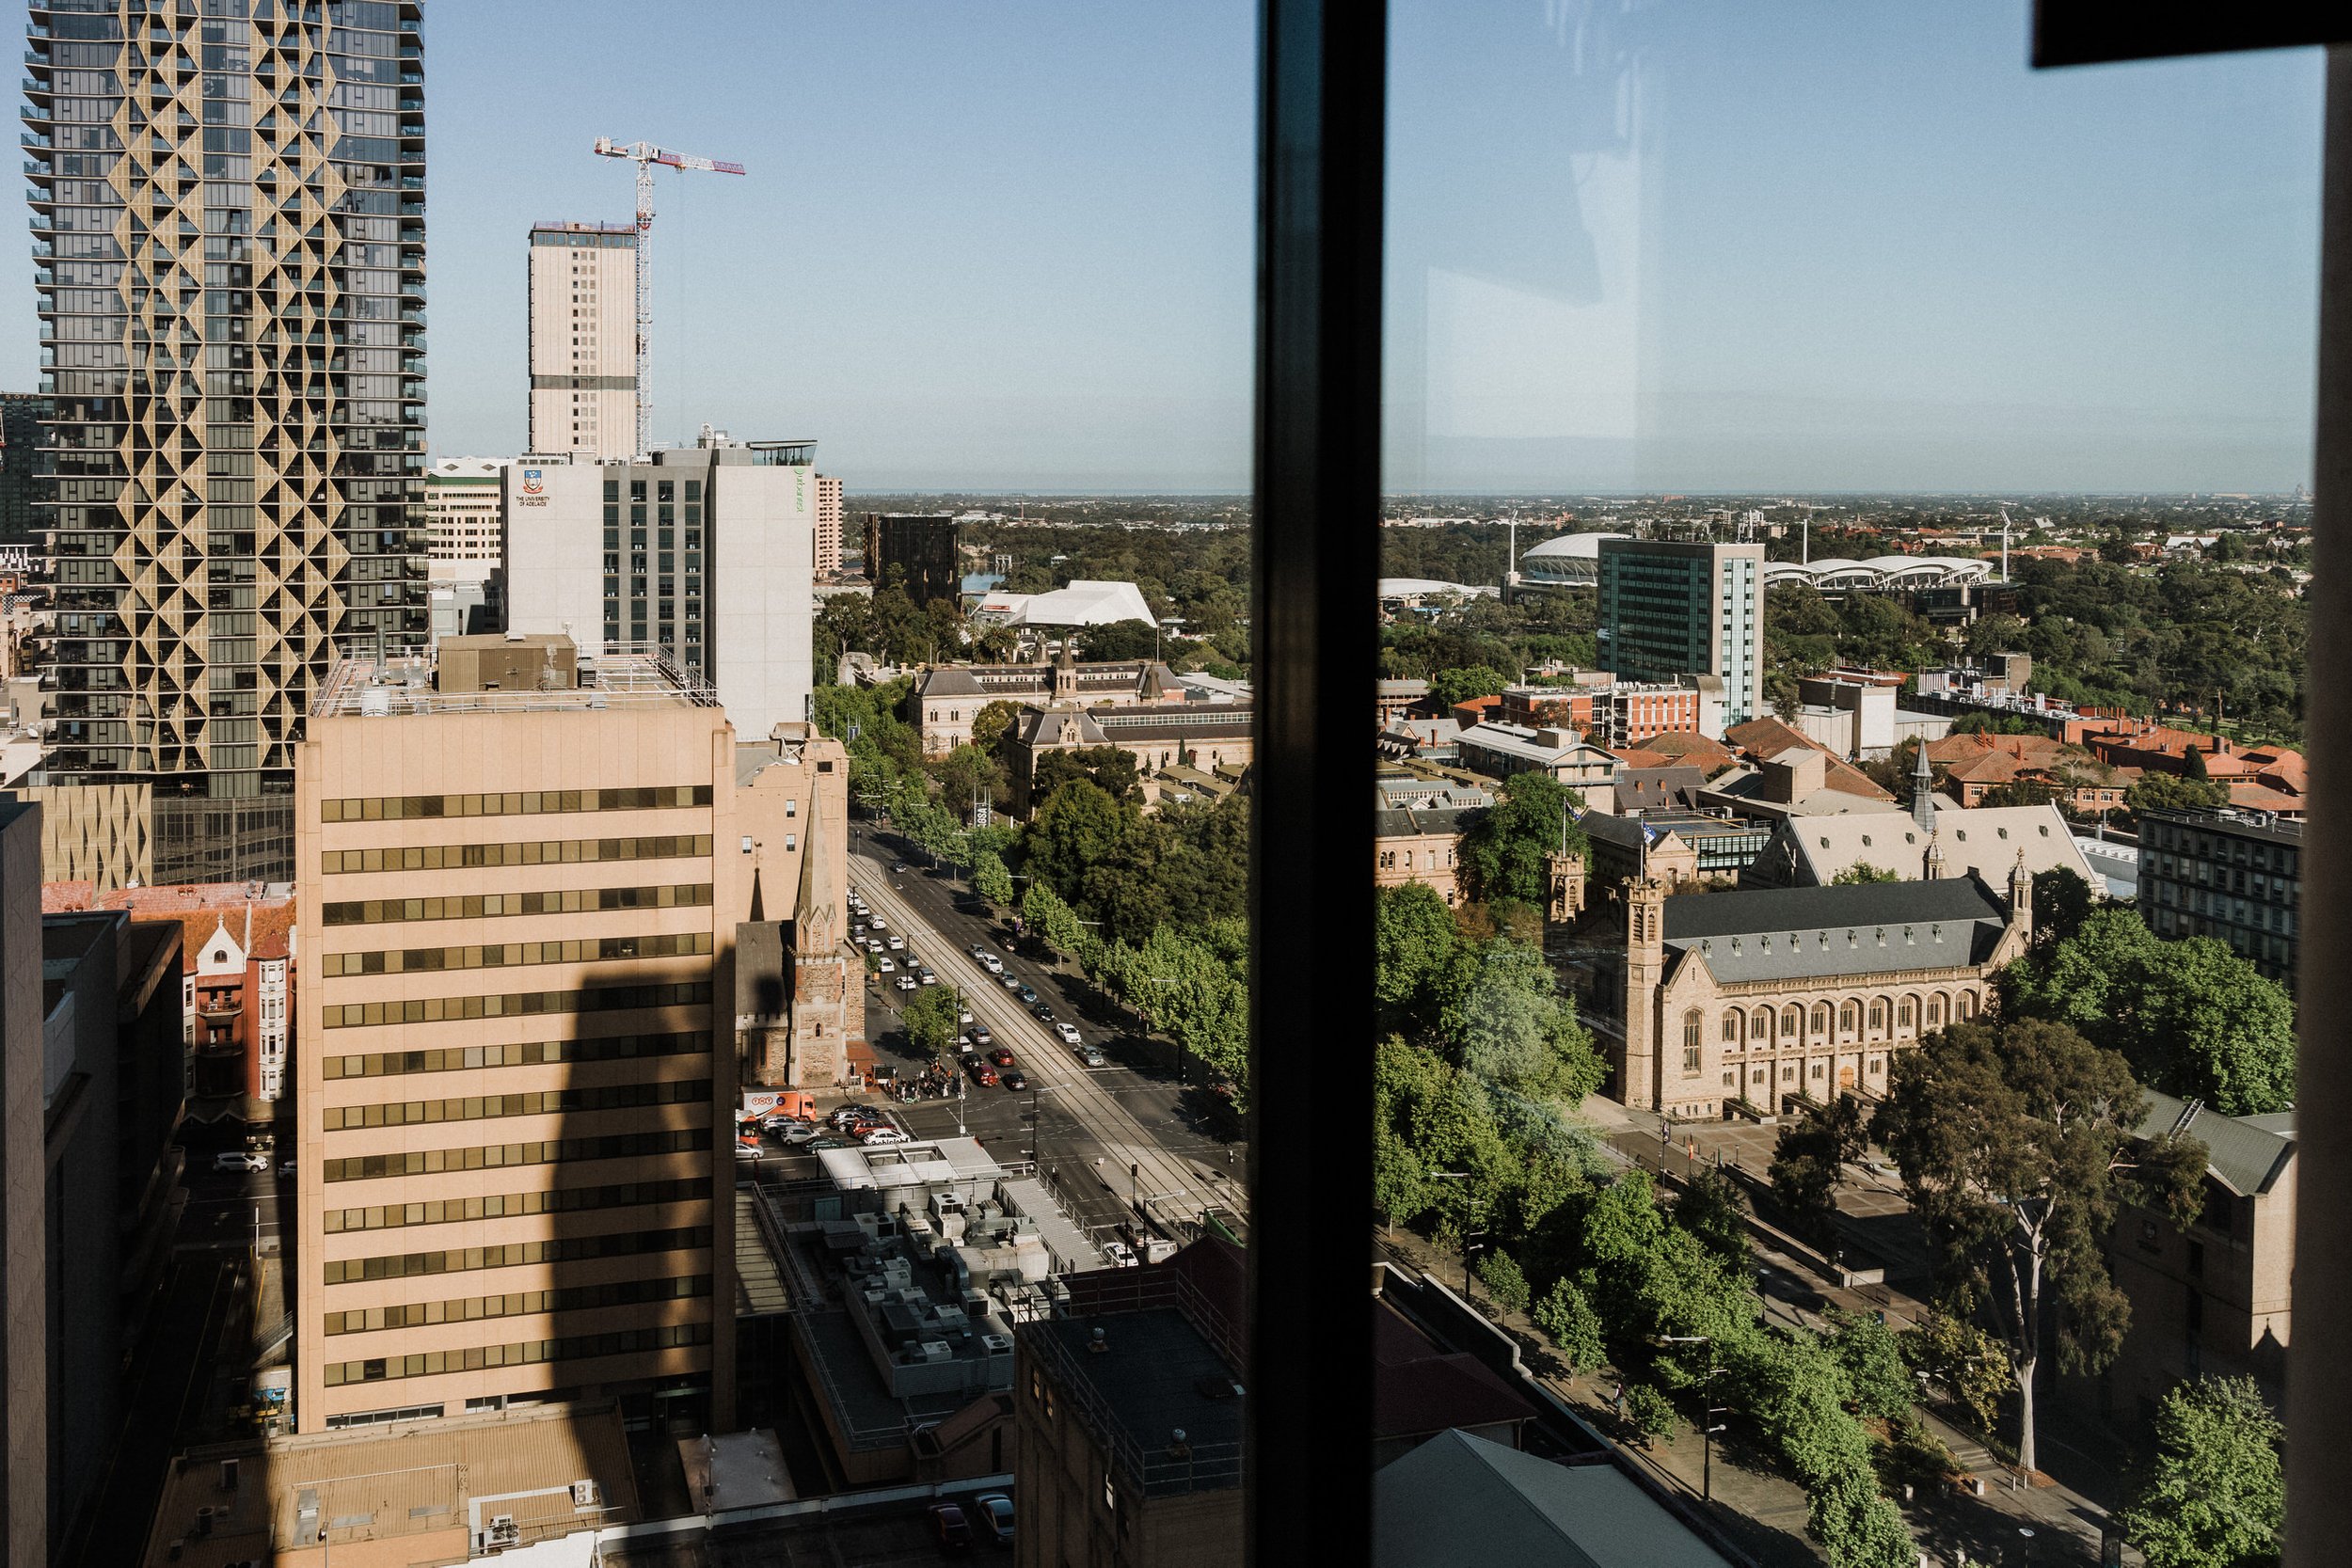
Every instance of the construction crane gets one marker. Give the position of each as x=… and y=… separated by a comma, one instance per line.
x=645, y=155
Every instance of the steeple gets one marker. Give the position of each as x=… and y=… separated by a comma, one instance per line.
x=1935, y=856
x=1065, y=670
x=2021, y=895
x=1923, y=792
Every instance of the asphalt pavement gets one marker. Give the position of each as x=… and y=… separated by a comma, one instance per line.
x=1121, y=1134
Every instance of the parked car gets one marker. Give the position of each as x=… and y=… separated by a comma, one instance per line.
x=1121, y=1255
x=879, y=922
x=1016, y=1079
x=992, y=1512
x=964, y=1015
x=897, y=943
x=1044, y=1014
x=980, y=1034
x=888, y=965
x=907, y=982
x=994, y=964
x=1069, y=1032
x=1028, y=994
x=873, y=945
x=949, y=1527
x=238, y=1160
x=1091, y=1056
x=983, y=1074
x=1002, y=1056
x=1010, y=980
x=928, y=978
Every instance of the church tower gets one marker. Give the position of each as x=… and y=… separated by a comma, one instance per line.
x=1065, y=670
x=1638, y=1075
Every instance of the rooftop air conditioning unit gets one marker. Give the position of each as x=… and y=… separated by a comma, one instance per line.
x=997, y=1344
x=584, y=1493
x=499, y=1534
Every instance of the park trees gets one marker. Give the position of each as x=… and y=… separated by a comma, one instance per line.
x=992, y=723
x=2017, y=1145
x=1461, y=684
x=2212, y=1495
x=931, y=1019
x=1810, y=1157
x=2191, y=1017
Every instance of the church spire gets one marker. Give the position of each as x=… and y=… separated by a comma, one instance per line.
x=1923, y=792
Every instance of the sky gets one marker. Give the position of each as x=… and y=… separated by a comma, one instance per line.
x=1708, y=245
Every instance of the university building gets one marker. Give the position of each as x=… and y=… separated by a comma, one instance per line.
x=1773, y=996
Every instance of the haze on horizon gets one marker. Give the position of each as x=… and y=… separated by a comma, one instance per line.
x=1831, y=249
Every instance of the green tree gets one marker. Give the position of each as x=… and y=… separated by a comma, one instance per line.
x=990, y=879
x=1502, y=853
x=2017, y=1145
x=1512, y=1028
x=1045, y=914
x=2212, y=1495
x=931, y=1019
x=1810, y=1156
x=992, y=723
x=1118, y=641
x=1862, y=872
x=1187, y=991
x=2193, y=766
x=2171, y=792
x=2061, y=902
x=1569, y=1320
x=2191, y=1017
x=1109, y=768
x=1963, y=1358
x=1651, y=1413
x=1450, y=687
x=1078, y=829
x=1504, y=1280
x=1713, y=1209
x=1416, y=954
x=1877, y=1377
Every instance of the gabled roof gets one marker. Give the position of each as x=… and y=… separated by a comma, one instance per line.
x=1815, y=932
x=1410, y=822
x=2246, y=1154
x=1769, y=738
x=1460, y=1501
x=1983, y=839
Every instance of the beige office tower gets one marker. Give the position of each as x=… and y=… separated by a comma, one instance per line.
x=828, y=554
x=518, y=887
x=583, y=340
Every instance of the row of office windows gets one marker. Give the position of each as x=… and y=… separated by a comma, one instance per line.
x=529, y=802
x=553, y=852
x=480, y=1107
x=450, y=1009
x=518, y=1304
x=1760, y=1028
x=477, y=1357
x=487, y=905
x=565, y=1249
x=505, y=954
x=605, y=1048
x=504, y=1205
x=547, y=1151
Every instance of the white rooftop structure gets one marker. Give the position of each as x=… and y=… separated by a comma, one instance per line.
x=1432, y=588
x=1082, y=603
x=1881, y=571
x=1571, y=560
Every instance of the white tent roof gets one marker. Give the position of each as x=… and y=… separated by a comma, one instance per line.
x=1081, y=604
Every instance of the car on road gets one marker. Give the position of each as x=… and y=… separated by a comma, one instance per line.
x=1044, y=1014
x=991, y=1512
x=1121, y=1255
x=233, y=1160
x=907, y=982
x=1016, y=1079
x=980, y=1034
x=927, y=977
x=847, y=1113
x=878, y=923
x=949, y=1527
x=1091, y=1056
x=888, y=965
x=964, y=1015
x=897, y=865
x=1028, y=994
x=994, y=964
x=897, y=943
x=1069, y=1032
x=747, y=1147
x=1011, y=980
x=873, y=945
x=285, y=1167
x=882, y=1136
x=828, y=1143
x=1002, y=1056
x=983, y=1074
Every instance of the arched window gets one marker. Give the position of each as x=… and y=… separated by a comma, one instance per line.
x=1935, y=1011
x=1691, y=1040
x=1761, y=1026
x=1821, y=1020
x=1732, y=1022
x=1907, y=1015
x=1878, y=1017
x=1849, y=1020
x=1791, y=1023
x=1967, y=1004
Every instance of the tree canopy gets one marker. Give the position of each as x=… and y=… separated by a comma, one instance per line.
x=2191, y=1017
x=2213, y=1493
x=2017, y=1144
x=1459, y=685
x=1502, y=853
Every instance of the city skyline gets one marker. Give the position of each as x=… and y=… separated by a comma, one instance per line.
x=1056, y=299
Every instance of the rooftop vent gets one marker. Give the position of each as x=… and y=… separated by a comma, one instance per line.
x=1096, y=1343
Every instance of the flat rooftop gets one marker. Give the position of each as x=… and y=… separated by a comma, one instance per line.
x=1150, y=1376
x=627, y=675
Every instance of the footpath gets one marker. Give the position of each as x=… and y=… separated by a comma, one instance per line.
x=2048, y=1525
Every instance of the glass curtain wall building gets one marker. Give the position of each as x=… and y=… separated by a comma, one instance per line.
x=233, y=303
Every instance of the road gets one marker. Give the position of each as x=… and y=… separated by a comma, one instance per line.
x=1139, y=1130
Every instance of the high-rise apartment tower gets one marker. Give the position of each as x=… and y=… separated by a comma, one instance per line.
x=228, y=224
x=1671, y=608
x=828, y=559
x=583, y=340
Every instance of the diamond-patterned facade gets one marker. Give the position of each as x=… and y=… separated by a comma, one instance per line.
x=228, y=224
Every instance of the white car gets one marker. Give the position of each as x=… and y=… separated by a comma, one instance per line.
x=873, y=945
x=1011, y=981
x=928, y=978
x=964, y=1015
x=896, y=944
x=978, y=951
x=994, y=964
x=887, y=966
x=879, y=924
x=1069, y=1032
x=907, y=982
x=875, y=1137
x=1121, y=1255
x=257, y=1163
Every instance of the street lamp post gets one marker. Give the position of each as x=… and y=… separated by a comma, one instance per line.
x=1709, y=1409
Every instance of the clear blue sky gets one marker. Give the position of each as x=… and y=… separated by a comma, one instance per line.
x=1785, y=246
